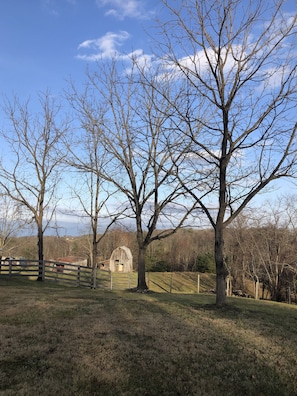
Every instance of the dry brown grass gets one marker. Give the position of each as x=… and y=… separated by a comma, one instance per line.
x=64, y=341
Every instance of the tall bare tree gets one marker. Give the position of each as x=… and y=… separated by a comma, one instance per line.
x=92, y=195
x=30, y=169
x=236, y=61
x=135, y=131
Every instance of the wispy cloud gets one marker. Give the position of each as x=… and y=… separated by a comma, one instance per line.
x=53, y=6
x=122, y=9
x=103, y=47
x=107, y=47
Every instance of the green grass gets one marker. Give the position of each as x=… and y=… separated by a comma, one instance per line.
x=67, y=341
x=167, y=282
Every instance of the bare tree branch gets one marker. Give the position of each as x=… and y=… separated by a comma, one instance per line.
x=30, y=171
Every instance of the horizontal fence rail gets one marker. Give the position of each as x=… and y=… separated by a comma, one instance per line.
x=75, y=275
x=14, y=267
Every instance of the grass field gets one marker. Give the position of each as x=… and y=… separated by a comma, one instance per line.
x=64, y=341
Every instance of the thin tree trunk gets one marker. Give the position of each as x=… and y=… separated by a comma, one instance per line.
x=94, y=256
x=40, y=253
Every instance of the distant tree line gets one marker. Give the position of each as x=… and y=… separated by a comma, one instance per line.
x=257, y=252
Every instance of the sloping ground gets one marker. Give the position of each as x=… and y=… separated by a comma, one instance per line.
x=168, y=282
x=68, y=341
x=180, y=282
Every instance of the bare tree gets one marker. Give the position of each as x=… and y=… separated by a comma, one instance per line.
x=236, y=61
x=29, y=172
x=239, y=251
x=12, y=220
x=273, y=247
x=135, y=131
x=262, y=246
x=90, y=191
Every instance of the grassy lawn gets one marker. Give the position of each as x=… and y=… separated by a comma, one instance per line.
x=64, y=341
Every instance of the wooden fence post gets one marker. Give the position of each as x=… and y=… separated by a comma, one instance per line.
x=78, y=276
x=110, y=280
x=43, y=270
x=198, y=283
x=94, y=278
x=228, y=286
x=257, y=289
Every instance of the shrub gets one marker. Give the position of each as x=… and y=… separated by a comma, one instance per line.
x=160, y=266
x=205, y=263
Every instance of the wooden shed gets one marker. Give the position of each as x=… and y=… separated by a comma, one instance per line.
x=121, y=260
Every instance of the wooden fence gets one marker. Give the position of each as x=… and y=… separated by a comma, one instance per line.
x=68, y=274
x=74, y=275
x=19, y=268
x=83, y=276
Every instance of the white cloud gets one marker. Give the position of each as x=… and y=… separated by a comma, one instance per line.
x=143, y=60
x=122, y=9
x=103, y=47
x=106, y=47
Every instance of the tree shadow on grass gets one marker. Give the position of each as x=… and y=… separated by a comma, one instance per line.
x=165, y=350
x=96, y=343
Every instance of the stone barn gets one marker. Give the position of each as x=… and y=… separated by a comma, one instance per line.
x=121, y=260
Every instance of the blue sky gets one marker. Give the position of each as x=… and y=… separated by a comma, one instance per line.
x=44, y=43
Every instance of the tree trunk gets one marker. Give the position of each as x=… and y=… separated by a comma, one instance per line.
x=221, y=271
x=141, y=285
x=40, y=253
x=94, y=257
